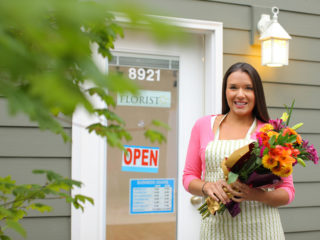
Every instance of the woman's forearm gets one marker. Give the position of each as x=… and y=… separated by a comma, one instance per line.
x=195, y=187
x=274, y=198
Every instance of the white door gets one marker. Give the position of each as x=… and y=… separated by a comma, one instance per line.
x=144, y=192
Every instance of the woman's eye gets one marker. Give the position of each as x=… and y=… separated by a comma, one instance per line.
x=232, y=87
x=249, y=88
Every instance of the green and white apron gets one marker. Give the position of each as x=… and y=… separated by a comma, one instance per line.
x=257, y=221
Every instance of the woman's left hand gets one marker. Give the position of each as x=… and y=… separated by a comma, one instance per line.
x=242, y=192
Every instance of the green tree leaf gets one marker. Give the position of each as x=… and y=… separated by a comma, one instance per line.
x=17, y=227
x=4, y=237
x=40, y=207
x=154, y=136
x=160, y=124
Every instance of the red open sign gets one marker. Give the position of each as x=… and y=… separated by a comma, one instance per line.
x=140, y=159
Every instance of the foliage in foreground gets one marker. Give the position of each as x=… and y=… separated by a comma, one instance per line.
x=16, y=200
x=46, y=64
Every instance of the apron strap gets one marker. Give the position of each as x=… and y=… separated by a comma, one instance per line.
x=216, y=136
x=251, y=129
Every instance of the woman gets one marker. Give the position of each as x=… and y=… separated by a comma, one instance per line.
x=212, y=139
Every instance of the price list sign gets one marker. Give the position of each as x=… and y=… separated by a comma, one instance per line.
x=151, y=196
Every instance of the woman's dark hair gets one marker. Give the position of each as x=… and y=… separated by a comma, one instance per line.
x=260, y=108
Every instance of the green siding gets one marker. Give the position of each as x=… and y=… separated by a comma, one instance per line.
x=32, y=142
x=53, y=228
x=25, y=147
x=21, y=119
x=300, y=219
x=309, y=6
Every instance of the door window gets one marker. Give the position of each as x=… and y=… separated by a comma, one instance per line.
x=142, y=184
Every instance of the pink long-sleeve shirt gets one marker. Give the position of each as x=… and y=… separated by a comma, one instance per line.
x=201, y=135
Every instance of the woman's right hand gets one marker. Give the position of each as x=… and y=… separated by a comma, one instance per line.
x=216, y=192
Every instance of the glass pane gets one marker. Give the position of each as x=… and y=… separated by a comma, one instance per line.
x=141, y=186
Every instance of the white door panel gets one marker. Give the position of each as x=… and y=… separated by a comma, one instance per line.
x=198, y=93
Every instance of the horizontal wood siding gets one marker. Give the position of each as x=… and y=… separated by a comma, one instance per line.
x=300, y=219
x=309, y=235
x=23, y=148
x=53, y=228
x=32, y=142
x=21, y=119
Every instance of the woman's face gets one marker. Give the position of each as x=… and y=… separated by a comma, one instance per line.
x=240, y=93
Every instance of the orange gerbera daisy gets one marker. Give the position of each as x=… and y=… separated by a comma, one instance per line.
x=290, y=131
x=269, y=162
x=285, y=159
x=280, y=151
x=295, y=152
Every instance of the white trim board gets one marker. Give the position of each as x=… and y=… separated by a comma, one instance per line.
x=89, y=150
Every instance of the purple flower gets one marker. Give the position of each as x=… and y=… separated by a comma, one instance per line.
x=305, y=143
x=313, y=154
x=277, y=124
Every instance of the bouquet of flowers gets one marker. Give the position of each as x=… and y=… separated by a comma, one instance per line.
x=262, y=163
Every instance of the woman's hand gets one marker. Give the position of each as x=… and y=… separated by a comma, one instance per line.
x=215, y=190
x=242, y=192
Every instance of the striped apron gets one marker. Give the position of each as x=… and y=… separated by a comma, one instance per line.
x=257, y=221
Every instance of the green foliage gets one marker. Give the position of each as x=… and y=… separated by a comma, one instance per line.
x=46, y=50
x=160, y=124
x=289, y=111
x=17, y=199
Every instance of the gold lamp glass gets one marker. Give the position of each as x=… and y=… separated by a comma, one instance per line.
x=274, y=41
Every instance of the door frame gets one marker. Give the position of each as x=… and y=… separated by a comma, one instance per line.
x=89, y=151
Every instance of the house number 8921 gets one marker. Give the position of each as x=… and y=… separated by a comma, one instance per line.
x=144, y=74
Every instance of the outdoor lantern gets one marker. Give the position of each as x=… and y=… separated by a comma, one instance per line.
x=274, y=41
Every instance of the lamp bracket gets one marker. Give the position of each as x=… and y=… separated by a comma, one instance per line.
x=275, y=11
x=263, y=23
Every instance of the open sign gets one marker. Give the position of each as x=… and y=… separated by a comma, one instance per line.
x=140, y=159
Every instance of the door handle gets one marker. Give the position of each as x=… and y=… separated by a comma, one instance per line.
x=195, y=200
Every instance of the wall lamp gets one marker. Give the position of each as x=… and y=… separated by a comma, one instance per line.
x=274, y=40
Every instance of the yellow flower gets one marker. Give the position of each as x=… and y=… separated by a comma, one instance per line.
x=271, y=133
x=282, y=170
x=286, y=170
x=269, y=162
x=266, y=128
x=284, y=117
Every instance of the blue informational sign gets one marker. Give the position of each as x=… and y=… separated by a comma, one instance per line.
x=151, y=196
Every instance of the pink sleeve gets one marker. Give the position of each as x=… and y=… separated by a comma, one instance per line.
x=287, y=185
x=193, y=169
